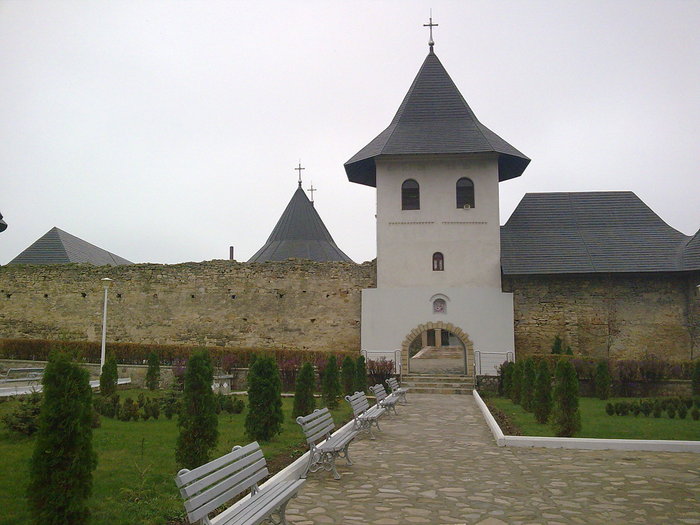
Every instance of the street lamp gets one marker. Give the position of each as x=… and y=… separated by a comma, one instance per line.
x=106, y=281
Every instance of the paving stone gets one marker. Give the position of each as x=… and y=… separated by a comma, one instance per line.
x=408, y=475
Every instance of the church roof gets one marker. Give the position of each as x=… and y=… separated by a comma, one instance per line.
x=592, y=232
x=434, y=118
x=300, y=233
x=59, y=247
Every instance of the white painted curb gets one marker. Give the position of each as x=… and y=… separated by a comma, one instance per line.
x=655, y=445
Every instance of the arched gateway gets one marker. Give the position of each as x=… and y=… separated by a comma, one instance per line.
x=437, y=348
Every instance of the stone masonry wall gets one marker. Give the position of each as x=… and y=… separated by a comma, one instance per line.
x=290, y=304
x=615, y=315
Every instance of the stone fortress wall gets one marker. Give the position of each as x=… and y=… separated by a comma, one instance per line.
x=317, y=306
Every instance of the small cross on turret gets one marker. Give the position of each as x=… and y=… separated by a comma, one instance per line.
x=431, y=43
x=311, y=190
x=299, y=168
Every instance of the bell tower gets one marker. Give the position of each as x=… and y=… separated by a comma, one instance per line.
x=436, y=170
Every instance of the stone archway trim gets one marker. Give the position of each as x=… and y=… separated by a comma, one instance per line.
x=418, y=330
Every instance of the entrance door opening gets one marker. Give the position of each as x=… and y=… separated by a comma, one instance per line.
x=437, y=351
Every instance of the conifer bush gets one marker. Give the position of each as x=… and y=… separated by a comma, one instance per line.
x=505, y=383
x=108, y=378
x=557, y=346
x=153, y=373
x=198, y=422
x=542, y=404
x=348, y=375
x=695, y=378
x=264, y=418
x=24, y=419
x=304, y=401
x=527, y=389
x=60, y=472
x=567, y=417
x=516, y=387
x=602, y=380
x=330, y=384
x=360, y=375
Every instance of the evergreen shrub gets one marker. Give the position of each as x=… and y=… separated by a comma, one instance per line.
x=330, y=383
x=695, y=378
x=24, y=419
x=348, y=375
x=542, y=403
x=197, y=421
x=602, y=380
x=557, y=347
x=505, y=378
x=527, y=389
x=516, y=388
x=264, y=418
x=682, y=411
x=108, y=377
x=304, y=401
x=153, y=373
x=60, y=472
x=567, y=417
x=695, y=414
x=610, y=409
x=671, y=411
x=360, y=375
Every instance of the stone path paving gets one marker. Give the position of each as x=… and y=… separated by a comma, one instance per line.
x=437, y=463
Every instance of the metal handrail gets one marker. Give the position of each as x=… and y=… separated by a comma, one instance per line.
x=507, y=356
x=384, y=353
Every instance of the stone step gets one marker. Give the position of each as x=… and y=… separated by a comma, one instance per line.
x=425, y=390
x=457, y=384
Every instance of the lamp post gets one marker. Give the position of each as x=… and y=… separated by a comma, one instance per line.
x=106, y=281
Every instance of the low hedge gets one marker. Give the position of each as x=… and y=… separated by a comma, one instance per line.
x=226, y=358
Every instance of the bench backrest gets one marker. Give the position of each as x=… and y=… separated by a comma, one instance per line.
x=393, y=384
x=359, y=403
x=379, y=391
x=208, y=487
x=317, y=426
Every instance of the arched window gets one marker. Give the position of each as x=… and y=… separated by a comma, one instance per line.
x=465, y=193
x=410, y=195
x=438, y=262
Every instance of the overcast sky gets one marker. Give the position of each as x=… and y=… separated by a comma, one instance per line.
x=165, y=131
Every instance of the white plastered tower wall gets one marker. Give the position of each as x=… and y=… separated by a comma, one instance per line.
x=469, y=240
x=435, y=139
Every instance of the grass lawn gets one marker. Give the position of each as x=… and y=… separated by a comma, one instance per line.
x=134, y=479
x=595, y=423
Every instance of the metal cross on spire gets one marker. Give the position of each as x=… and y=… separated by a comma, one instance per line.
x=431, y=43
x=299, y=168
x=311, y=190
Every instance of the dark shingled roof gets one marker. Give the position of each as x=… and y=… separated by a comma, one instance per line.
x=59, y=247
x=434, y=118
x=592, y=232
x=300, y=233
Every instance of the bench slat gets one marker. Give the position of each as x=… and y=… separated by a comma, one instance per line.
x=261, y=505
x=188, y=477
x=211, y=504
x=207, y=481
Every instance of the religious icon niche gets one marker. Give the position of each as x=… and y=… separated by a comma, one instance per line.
x=439, y=306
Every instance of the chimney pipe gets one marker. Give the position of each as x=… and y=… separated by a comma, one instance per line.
x=230, y=253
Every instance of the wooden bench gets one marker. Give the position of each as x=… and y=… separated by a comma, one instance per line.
x=210, y=486
x=31, y=375
x=397, y=389
x=384, y=400
x=324, y=446
x=365, y=416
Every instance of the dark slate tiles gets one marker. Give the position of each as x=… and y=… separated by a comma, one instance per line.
x=591, y=232
x=434, y=118
x=300, y=233
x=59, y=247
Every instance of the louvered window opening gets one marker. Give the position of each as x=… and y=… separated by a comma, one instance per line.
x=410, y=195
x=465, y=193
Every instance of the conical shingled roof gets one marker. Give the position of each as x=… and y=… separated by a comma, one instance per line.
x=434, y=118
x=300, y=233
x=59, y=247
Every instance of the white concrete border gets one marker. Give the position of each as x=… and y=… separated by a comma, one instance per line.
x=656, y=445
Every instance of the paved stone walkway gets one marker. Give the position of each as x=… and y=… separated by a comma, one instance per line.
x=437, y=463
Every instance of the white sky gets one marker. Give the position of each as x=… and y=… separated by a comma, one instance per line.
x=165, y=131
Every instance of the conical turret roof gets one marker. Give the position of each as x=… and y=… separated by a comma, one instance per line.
x=59, y=247
x=300, y=233
x=434, y=118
